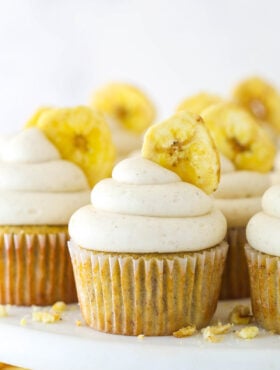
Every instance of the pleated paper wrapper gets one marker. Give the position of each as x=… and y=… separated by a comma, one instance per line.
x=235, y=280
x=35, y=269
x=264, y=271
x=150, y=294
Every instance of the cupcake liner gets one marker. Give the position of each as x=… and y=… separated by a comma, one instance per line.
x=150, y=294
x=264, y=271
x=235, y=280
x=35, y=269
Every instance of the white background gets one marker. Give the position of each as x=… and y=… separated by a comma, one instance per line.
x=57, y=52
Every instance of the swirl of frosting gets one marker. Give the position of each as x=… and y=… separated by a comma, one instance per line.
x=146, y=208
x=37, y=187
x=263, y=229
x=239, y=193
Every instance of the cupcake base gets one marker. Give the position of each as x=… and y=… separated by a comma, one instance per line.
x=35, y=266
x=150, y=294
x=235, y=280
x=264, y=271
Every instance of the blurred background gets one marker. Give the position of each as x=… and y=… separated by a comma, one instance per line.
x=55, y=52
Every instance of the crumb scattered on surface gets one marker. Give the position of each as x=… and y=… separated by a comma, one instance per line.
x=249, y=332
x=59, y=307
x=210, y=332
x=185, y=332
x=3, y=310
x=78, y=323
x=23, y=321
x=45, y=317
x=240, y=315
x=140, y=336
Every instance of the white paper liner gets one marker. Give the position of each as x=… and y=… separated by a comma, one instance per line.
x=35, y=269
x=155, y=294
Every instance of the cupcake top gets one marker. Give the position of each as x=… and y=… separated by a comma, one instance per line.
x=263, y=230
x=146, y=208
x=37, y=187
x=239, y=193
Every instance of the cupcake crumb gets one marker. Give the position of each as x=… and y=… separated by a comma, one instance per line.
x=210, y=332
x=59, y=307
x=249, y=332
x=46, y=317
x=140, y=336
x=23, y=321
x=78, y=323
x=240, y=315
x=187, y=331
x=4, y=310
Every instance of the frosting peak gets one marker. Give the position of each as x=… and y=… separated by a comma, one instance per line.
x=226, y=164
x=137, y=170
x=36, y=186
x=29, y=146
x=263, y=230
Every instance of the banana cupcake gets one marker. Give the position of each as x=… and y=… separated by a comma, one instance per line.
x=247, y=157
x=38, y=193
x=149, y=252
x=239, y=198
x=263, y=256
x=128, y=111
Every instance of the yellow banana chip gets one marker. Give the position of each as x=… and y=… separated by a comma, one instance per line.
x=238, y=136
x=183, y=144
x=82, y=136
x=126, y=104
x=261, y=99
x=197, y=103
x=35, y=117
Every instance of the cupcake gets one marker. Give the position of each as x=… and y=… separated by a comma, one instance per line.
x=148, y=253
x=247, y=156
x=128, y=111
x=263, y=256
x=239, y=198
x=38, y=191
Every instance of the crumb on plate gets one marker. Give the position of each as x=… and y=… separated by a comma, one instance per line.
x=185, y=332
x=59, y=307
x=240, y=315
x=210, y=332
x=45, y=317
x=249, y=332
x=3, y=311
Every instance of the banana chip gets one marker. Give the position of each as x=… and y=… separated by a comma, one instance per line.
x=238, y=136
x=183, y=144
x=125, y=104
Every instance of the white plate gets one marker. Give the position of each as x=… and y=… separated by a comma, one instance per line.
x=64, y=345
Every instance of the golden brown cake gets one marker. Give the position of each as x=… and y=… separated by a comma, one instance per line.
x=148, y=253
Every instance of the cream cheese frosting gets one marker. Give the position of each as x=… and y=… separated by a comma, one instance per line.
x=37, y=187
x=263, y=229
x=239, y=193
x=146, y=208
